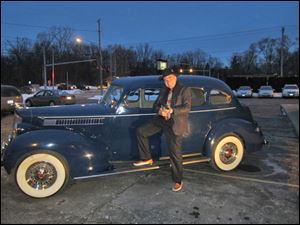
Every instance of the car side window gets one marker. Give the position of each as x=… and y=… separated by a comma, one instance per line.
x=217, y=97
x=150, y=96
x=48, y=93
x=133, y=99
x=41, y=93
x=9, y=92
x=198, y=96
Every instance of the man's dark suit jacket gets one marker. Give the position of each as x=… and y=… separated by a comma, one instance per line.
x=181, y=105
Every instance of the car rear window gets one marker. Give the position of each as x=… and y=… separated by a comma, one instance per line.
x=218, y=97
x=9, y=92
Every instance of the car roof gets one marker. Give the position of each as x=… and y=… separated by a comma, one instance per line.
x=291, y=85
x=8, y=86
x=134, y=82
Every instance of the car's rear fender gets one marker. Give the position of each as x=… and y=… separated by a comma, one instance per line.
x=84, y=157
x=249, y=133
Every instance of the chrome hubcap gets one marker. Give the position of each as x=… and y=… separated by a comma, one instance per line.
x=41, y=175
x=228, y=153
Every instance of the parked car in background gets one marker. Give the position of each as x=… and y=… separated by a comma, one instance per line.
x=290, y=90
x=29, y=89
x=51, y=145
x=63, y=86
x=266, y=91
x=50, y=98
x=11, y=98
x=244, y=91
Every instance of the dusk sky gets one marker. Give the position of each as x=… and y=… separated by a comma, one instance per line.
x=218, y=28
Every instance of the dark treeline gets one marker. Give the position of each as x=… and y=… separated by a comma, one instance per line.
x=23, y=61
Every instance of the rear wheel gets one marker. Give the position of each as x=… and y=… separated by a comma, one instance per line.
x=227, y=154
x=42, y=175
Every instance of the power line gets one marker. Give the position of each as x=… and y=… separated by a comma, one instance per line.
x=45, y=27
x=221, y=35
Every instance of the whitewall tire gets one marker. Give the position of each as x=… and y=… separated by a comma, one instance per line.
x=227, y=154
x=41, y=175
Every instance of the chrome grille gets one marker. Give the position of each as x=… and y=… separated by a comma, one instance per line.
x=73, y=121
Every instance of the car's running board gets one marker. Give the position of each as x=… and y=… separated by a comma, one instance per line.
x=115, y=172
x=144, y=168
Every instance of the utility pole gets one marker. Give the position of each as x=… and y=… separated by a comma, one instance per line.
x=100, y=56
x=44, y=68
x=281, y=52
x=67, y=80
x=115, y=64
x=110, y=66
x=53, y=68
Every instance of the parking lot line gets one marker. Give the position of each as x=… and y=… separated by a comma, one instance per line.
x=244, y=178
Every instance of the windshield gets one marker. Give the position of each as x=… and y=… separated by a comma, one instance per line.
x=291, y=87
x=245, y=88
x=112, y=95
x=266, y=88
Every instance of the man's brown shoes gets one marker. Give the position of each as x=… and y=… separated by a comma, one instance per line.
x=177, y=187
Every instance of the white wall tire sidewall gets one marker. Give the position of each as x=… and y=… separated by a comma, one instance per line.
x=240, y=147
x=27, y=162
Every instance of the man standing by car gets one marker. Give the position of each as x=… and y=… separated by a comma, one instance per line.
x=172, y=106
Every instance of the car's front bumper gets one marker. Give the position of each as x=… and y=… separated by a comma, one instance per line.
x=4, y=146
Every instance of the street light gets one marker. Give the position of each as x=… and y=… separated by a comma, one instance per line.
x=78, y=40
x=191, y=70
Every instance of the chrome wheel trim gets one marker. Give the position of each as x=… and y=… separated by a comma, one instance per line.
x=228, y=153
x=41, y=175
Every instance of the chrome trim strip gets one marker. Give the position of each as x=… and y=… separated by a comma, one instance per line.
x=195, y=161
x=183, y=156
x=127, y=115
x=212, y=110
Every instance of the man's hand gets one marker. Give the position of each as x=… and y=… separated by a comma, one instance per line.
x=165, y=113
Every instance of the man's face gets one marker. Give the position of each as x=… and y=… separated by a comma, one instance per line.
x=170, y=81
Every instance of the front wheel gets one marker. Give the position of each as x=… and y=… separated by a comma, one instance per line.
x=227, y=153
x=41, y=175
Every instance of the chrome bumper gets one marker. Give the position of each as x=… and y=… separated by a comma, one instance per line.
x=4, y=147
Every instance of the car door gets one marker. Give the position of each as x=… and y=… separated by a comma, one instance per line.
x=198, y=124
x=37, y=98
x=48, y=97
x=132, y=112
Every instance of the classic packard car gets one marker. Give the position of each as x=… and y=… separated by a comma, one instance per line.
x=50, y=145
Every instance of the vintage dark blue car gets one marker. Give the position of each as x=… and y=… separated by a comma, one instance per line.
x=50, y=145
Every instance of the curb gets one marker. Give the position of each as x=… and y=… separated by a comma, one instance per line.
x=292, y=112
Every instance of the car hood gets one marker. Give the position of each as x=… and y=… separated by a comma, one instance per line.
x=66, y=111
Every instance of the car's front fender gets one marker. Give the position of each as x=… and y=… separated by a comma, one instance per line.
x=247, y=131
x=84, y=156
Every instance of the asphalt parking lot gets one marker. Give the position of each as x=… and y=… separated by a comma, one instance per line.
x=264, y=189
